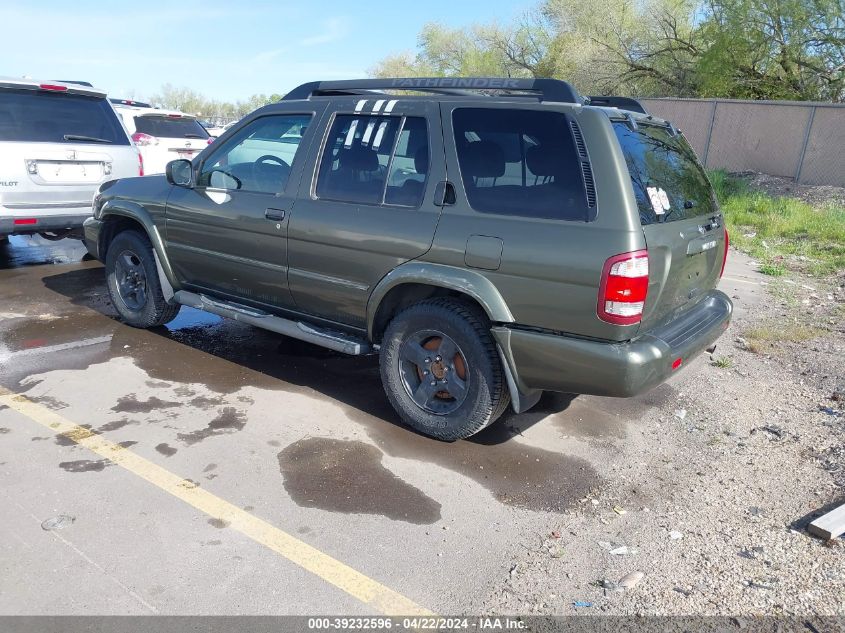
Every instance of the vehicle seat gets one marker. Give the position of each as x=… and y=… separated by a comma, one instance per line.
x=412, y=190
x=356, y=177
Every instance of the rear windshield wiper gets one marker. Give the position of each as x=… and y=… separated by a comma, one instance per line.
x=194, y=136
x=81, y=137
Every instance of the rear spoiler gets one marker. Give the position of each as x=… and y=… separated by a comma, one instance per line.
x=52, y=86
x=622, y=103
x=130, y=102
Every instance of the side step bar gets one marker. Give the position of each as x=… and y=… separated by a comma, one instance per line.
x=337, y=341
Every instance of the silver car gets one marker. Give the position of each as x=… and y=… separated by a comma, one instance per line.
x=59, y=140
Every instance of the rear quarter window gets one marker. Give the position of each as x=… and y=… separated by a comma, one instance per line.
x=520, y=162
x=37, y=116
x=669, y=182
x=170, y=127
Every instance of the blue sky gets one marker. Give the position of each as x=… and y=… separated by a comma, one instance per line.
x=224, y=49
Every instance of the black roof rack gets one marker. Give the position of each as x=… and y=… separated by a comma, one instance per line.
x=623, y=103
x=546, y=89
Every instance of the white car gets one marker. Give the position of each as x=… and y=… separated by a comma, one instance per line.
x=59, y=140
x=162, y=135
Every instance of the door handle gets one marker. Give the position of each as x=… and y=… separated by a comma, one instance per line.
x=276, y=215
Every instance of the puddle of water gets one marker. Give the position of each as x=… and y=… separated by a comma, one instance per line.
x=115, y=425
x=85, y=465
x=229, y=420
x=131, y=404
x=34, y=250
x=166, y=450
x=192, y=318
x=218, y=523
x=348, y=477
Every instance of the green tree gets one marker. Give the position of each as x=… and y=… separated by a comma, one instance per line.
x=774, y=49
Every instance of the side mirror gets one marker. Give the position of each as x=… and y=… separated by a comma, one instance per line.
x=180, y=173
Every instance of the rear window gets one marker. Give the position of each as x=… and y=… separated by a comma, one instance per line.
x=669, y=182
x=36, y=116
x=170, y=127
x=520, y=162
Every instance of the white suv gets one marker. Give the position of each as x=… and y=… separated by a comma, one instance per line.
x=59, y=141
x=162, y=135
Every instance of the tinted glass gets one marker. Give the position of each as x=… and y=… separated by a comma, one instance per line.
x=166, y=127
x=259, y=157
x=669, y=183
x=49, y=117
x=519, y=162
x=356, y=157
x=409, y=166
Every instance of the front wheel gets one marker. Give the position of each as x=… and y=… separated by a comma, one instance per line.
x=441, y=370
x=132, y=279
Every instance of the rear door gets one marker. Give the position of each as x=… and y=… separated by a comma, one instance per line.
x=228, y=234
x=57, y=147
x=370, y=206
x=683, y=226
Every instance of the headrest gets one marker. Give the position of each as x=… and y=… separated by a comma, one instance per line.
x=543, y=160
x=483, y=159
x=421, y=160
x=358, y=158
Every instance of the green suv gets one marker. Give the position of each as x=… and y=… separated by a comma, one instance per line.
x=489, y=238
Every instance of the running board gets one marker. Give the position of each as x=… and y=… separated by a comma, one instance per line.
x=337, y=341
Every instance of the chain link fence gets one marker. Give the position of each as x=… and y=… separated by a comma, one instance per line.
x=800, y=140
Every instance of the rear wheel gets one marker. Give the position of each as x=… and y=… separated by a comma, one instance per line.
x=133, y=283
x=441, y=370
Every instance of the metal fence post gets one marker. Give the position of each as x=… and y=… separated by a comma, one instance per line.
x=806, y=141
x=710, y=131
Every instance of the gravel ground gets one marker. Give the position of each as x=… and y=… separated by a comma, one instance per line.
x=709, y=495
x=818, y=195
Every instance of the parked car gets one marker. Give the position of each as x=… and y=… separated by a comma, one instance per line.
x=213, y=130
x=487, y=247
x=59, y=141
x=162, y=135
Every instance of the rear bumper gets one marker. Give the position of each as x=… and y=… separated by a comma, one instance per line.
x=540, y=361
x=21, y=222
x=91, y=235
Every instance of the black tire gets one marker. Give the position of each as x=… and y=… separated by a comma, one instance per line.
x=4, y=239
x=417, y=382
x=133, y=283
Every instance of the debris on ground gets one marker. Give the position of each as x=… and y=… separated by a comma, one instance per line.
x=58, y=522
x=830, y=525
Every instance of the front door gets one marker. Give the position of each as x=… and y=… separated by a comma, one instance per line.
x=228, y=234
x=371, y=204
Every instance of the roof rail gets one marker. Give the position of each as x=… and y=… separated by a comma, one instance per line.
x=623, y=103
x=547, y=89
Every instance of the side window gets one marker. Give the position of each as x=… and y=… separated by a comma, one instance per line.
x=409, y=167
x=520, y=162
x=259, y=157
x=374, y=160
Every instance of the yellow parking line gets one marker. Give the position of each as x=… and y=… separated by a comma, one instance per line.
x=370, y=592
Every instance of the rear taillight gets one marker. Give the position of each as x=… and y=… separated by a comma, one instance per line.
x=22, y=221
x=141, y=139
x=725, y=257
x=53, y=87
x=140, y=164
x=623, y=289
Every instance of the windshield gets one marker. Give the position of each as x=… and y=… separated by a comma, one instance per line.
x=669, y=182
x=170, y=127
x=58, y=117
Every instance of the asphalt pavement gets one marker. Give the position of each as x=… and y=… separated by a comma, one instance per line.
x=213, y=468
